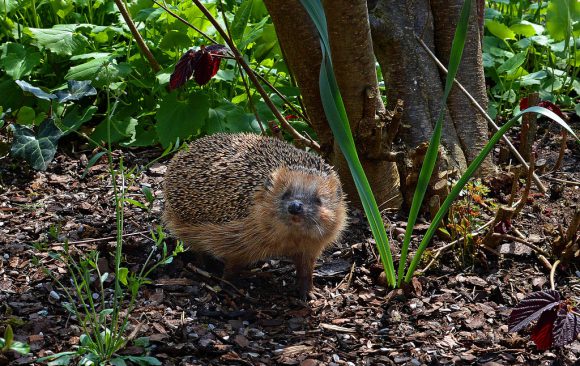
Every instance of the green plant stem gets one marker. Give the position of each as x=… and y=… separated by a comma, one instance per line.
x=467, y=175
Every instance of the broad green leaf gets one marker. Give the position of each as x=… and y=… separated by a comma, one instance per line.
x=144, y=360
x=227, y=117
x=62, y=39
x=6, y=6
x=241, y=20
x=36, y=91
x=180, y=118
x=513, y=63
x=102, y=71
x=522, y=29
x=533, y=78
x=38, y=150
x=26, y=116
x=76, y=90
x=118, y=361
x=559, y=18
x=499, y=30
x=18, y=60
x=122, y=129
x=175, y=39
x=75, y=117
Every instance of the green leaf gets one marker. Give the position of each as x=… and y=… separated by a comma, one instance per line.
x=577, y=109
x=241, y=20
x=20, y=347
x=560, y=16
x=76, y=90
x=36, y=91
x=123, y=273
x=18, y=60
x=25, y=116
x=227, y=117
x=92, y=162
x=499, y=30
x=38, y=150
x=144, y=360
x=122, y=128
x=118, y=361
x=102, y=71
x=180, y=118
x=75, y=117
x=175, y=39
x=61, y=39
x=135, y=203
x=8, y=337
x=512, y=63
x=525, y=30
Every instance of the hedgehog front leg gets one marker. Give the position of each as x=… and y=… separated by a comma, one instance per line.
x=304, y=269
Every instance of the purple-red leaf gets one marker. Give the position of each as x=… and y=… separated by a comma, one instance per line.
x=531, y=308
x=203, y=64
x=183, y=69
x=566, y=326
x=542, y=333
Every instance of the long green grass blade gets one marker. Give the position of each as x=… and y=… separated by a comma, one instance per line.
x=431, y=154
x=467, y=175
x=338, y=120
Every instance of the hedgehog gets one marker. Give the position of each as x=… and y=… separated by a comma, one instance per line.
x=243, y=198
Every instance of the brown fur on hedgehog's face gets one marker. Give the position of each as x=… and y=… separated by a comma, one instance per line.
x=307, y=202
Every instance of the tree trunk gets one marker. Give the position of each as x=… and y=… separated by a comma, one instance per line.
x=388, y=29
x=354, y=68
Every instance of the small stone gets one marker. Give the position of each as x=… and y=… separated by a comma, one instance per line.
x=54, y=295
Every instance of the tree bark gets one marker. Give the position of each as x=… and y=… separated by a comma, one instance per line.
x=470, y=125
x=353, y=60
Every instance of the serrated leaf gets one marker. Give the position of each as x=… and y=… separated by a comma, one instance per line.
x=542, y=334
x=76, y=90
x=180, y=118
x=566, y=327
x=36, y=91
x=38, y=150
x=499, y=30
x=17, y=60
x=61, y=39
x=531, y=308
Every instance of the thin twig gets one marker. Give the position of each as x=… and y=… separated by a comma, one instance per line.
x=562, y=151
x=185, y=21
x=140, y=42
x=567, y=182
x=522, y=241
x=305, y=141
x=552, y=273
x=477, y=106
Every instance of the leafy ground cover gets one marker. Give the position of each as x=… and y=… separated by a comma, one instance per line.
x=188, y=316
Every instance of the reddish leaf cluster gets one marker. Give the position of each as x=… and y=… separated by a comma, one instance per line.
x=203, y=64
x=544, y=103
x=558, y=321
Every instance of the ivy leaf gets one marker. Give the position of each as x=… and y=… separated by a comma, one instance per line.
x=17, y=60
x=36, y=91
x=180, y=119
x=62, y=39
x=37, y=150
x=76, y=90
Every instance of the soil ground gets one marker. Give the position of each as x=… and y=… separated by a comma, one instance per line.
x=455, y=313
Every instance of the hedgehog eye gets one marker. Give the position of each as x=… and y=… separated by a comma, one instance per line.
x=286, y=195
x=317, y=201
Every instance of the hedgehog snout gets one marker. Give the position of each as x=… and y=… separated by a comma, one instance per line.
x=295, y=207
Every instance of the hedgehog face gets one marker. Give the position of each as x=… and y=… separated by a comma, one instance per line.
x=308, y=203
